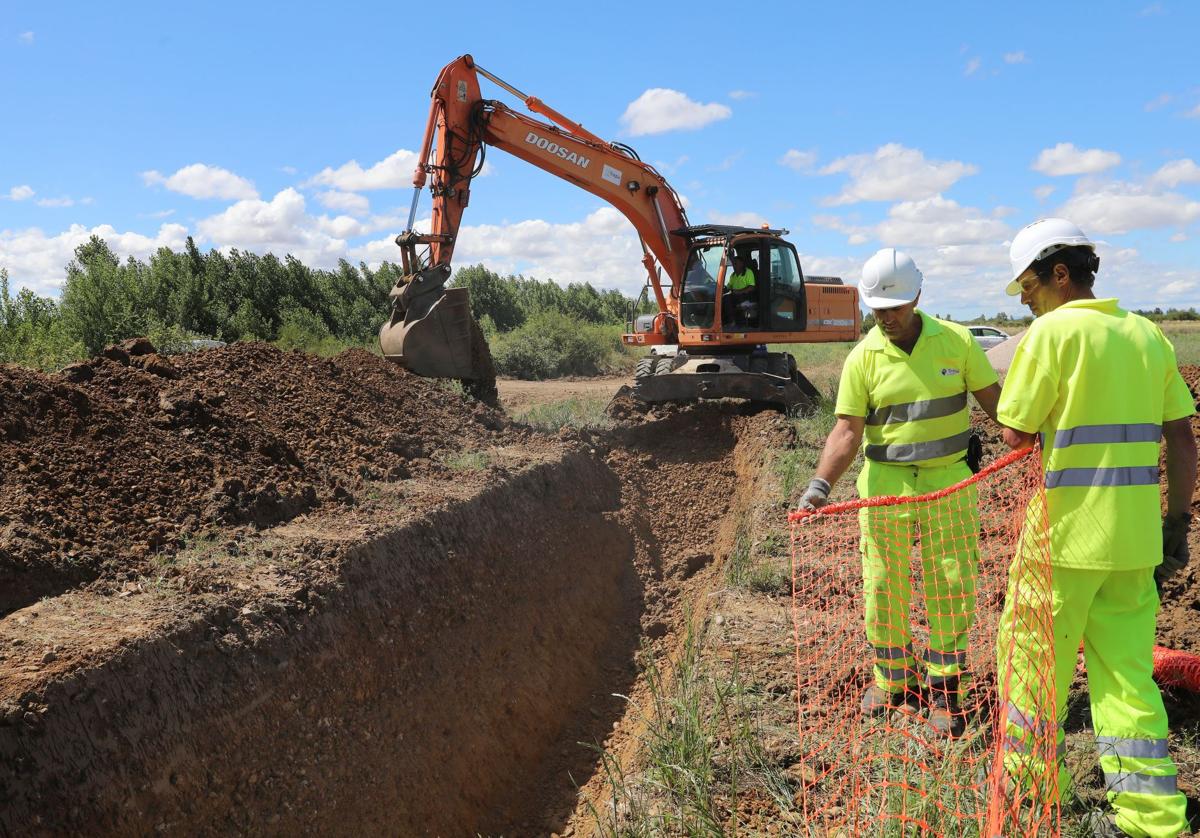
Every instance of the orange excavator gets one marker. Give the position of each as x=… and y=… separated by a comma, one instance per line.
x=722, y=292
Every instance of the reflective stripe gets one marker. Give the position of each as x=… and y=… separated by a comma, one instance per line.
x=1027, y=722
x=946, y=658
x=914, y=411
x=893, y=653
x=1122, y=476
x=907, y=452
x=1121, y=747
x=1138, y=783
x=894, y=673
x=1100, y=434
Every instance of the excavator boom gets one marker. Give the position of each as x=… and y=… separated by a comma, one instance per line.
x=431, y=330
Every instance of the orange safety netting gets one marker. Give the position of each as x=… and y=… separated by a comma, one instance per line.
x=908, y=593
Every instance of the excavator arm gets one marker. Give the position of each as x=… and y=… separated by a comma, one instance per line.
x=431, y=330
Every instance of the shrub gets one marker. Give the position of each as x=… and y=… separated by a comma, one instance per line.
x=551, y=345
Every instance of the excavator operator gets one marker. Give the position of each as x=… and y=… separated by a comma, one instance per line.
x=739, y=305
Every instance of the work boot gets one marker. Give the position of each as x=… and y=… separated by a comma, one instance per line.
x=945, y=715
x=876, y=701
x=1103, y=824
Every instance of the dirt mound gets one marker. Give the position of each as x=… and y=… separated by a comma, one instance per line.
x=117, y=460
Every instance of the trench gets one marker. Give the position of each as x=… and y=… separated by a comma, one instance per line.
x=456, y=678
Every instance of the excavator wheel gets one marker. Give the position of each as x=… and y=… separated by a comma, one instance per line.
x=645, y=368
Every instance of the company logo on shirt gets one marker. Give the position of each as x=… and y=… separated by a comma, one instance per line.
x=949, y=371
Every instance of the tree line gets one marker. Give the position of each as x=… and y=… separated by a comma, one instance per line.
x=176, y=297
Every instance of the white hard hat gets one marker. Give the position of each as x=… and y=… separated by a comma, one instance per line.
x=1039, y=240
x=889, y=279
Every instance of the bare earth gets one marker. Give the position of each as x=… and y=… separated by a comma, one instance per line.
x=517, y=395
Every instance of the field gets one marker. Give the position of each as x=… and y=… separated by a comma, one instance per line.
x=252, y=591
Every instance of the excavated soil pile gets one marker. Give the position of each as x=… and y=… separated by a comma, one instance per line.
x=127, y=456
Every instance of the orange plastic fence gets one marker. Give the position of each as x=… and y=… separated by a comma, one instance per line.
x=908, y=594
x=1177, y=669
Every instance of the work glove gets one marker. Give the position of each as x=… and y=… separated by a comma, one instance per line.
x=816, y=495
x=1175, y=548
x=974, y=452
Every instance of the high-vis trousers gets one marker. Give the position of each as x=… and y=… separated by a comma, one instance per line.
x=947, y=531
x=1114, y=612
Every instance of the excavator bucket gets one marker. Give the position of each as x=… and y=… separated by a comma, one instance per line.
x=444, y=342
x=436, y=344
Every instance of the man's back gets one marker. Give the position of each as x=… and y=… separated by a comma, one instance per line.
x=1097, y=383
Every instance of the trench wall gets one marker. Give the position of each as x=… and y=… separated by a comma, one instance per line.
x=427, y=693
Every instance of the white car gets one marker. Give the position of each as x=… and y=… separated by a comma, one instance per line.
x=988, y=336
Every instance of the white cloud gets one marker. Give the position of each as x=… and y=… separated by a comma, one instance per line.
x=280, y=226
x=738, y=95
x=1043, y=192
x=288, y=170
x=800, y=161
x=20, y=193
x=345, y=201
x=56, y=202
x=1176, y=172
x=1015, y=58
x=341, y=227
x=167, y=213
x=1153, y=10
x=660, y=109
x=1066, y=159
x=1119, y=207
x=38, y=261
x=672, y=167
x=738, y=219
x=727, y=162
x=393, y=172
x=25, y=37
x=973, y=66
x=930, y=222
x=894, y=173
x=601, y=249
x=1159, y=101
x=848, y=268
x=1194, y=113
x=1178, y=237
x=199, y=180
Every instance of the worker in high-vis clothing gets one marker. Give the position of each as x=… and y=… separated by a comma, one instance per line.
x=739, y=304
x=1099, y=388
x=903, y=396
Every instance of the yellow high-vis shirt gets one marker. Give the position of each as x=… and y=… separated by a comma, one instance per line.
x=1097, y=383
x=915, y=405
x=739, y=281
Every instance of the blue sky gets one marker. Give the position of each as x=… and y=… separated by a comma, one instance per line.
x=290, y=128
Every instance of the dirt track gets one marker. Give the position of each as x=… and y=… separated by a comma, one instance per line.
x=403, y=620
x=517, y=395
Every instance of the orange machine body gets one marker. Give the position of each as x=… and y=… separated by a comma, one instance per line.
x=461, y=122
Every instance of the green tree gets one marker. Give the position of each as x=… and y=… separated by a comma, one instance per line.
x=491, y=295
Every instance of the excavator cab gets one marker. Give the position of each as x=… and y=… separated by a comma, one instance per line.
x=775, y=303
x=742, y=289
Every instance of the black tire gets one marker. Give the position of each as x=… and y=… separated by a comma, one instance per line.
x=645, y=368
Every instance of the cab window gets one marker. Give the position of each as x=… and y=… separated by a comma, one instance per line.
x=699, y=292
x=787, y=306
